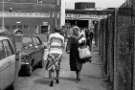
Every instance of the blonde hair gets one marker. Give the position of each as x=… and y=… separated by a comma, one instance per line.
x=74, y=29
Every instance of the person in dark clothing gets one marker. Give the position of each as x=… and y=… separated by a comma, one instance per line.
x=87, y=34
x=89, y=38
x=75, y=62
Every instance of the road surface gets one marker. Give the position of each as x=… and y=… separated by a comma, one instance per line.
x=91, y=78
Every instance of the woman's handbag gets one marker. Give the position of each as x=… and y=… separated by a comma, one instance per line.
x=84, y=52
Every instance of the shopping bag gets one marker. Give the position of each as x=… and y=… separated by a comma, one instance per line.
x=84, y=52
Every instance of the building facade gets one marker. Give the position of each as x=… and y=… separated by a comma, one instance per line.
x=31, y=16
x=84, y=5
x=84, y=15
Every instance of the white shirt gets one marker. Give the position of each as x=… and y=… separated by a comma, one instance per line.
x=56, y=40
x=82, y=33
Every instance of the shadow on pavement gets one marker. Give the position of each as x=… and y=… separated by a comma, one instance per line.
x=42, y=81
x=68, y=79
x=82, y=88
x=92, y=76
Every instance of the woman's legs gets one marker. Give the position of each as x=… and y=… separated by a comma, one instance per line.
x=51, y=77
x=57, y=76
x=58, y=70
x=78, y=75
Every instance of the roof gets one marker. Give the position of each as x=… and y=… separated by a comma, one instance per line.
x=90, y=12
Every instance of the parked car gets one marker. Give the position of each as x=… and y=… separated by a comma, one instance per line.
x=32, y=54
x=7, y=62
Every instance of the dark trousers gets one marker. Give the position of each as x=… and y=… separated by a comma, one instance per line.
x=89, y=43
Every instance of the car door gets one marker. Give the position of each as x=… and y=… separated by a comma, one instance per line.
x=38, y=48
x=4, y=67
x=10, y=57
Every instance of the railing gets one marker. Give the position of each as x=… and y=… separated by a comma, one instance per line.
x=25, y=14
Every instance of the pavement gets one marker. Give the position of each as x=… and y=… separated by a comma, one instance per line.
x=91, y=77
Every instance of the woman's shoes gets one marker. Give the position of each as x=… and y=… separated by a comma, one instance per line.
x=57, y=81
x=78, y=79
x=51, y=84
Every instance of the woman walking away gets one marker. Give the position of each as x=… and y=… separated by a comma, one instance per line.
x=55, y=46
x=75, y=63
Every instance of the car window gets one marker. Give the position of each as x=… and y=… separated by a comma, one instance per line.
x=8, y=48
x=27, y=40
x=2, y=51
x=36, y=41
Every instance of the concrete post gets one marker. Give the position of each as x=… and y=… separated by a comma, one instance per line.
x=115, y=53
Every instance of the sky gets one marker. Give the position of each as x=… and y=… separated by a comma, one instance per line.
x=99, y=3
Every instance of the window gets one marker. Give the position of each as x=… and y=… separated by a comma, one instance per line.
x=8, y=48
x=2, y=51
x=44, y=29
x=20, y=26
x=27, y=40
x=36, y=41
x=25, y=26
x=14, y=27
x=58, y=2
x=7, y=27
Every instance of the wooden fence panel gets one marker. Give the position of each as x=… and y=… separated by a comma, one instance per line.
x=110, y=49
x=117, y=53
x=124, y=58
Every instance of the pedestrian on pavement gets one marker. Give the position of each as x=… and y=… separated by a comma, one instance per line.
x=68, y=40
x=91, y=38
x=87, y=33
x=75, y=62
x=55, y=46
